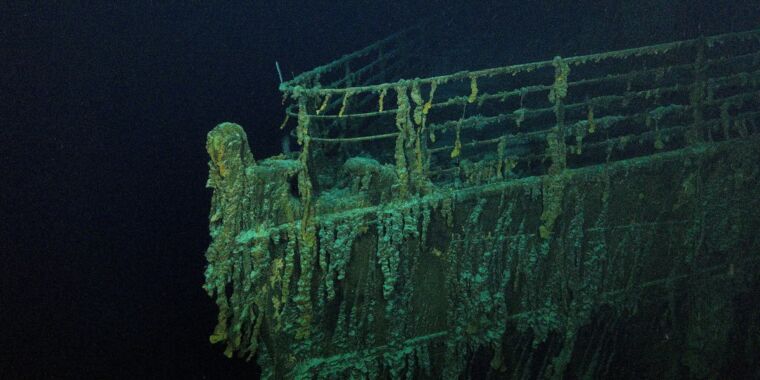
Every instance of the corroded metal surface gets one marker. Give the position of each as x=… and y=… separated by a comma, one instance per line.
x=545, y=221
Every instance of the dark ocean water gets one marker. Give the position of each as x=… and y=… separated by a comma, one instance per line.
x=104, y=109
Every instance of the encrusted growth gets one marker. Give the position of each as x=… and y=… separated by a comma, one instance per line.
x=555, y=230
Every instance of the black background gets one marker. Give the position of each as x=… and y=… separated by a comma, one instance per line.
x=104, y=109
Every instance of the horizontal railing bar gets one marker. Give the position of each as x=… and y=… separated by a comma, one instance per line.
x=485, y=189
x=290, y=85
x=461, y=100
x=530, y=136
x=514, y=69
x=480, y=121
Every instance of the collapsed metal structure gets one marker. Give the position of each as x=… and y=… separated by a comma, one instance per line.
x=542, y=220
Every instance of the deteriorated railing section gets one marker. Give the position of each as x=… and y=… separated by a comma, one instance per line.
x=530, y=119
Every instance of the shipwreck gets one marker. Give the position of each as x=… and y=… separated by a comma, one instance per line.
x=577, y=217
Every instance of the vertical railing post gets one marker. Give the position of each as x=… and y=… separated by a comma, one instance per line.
x=553, y=184
x=556, y=137
x=697, y=95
